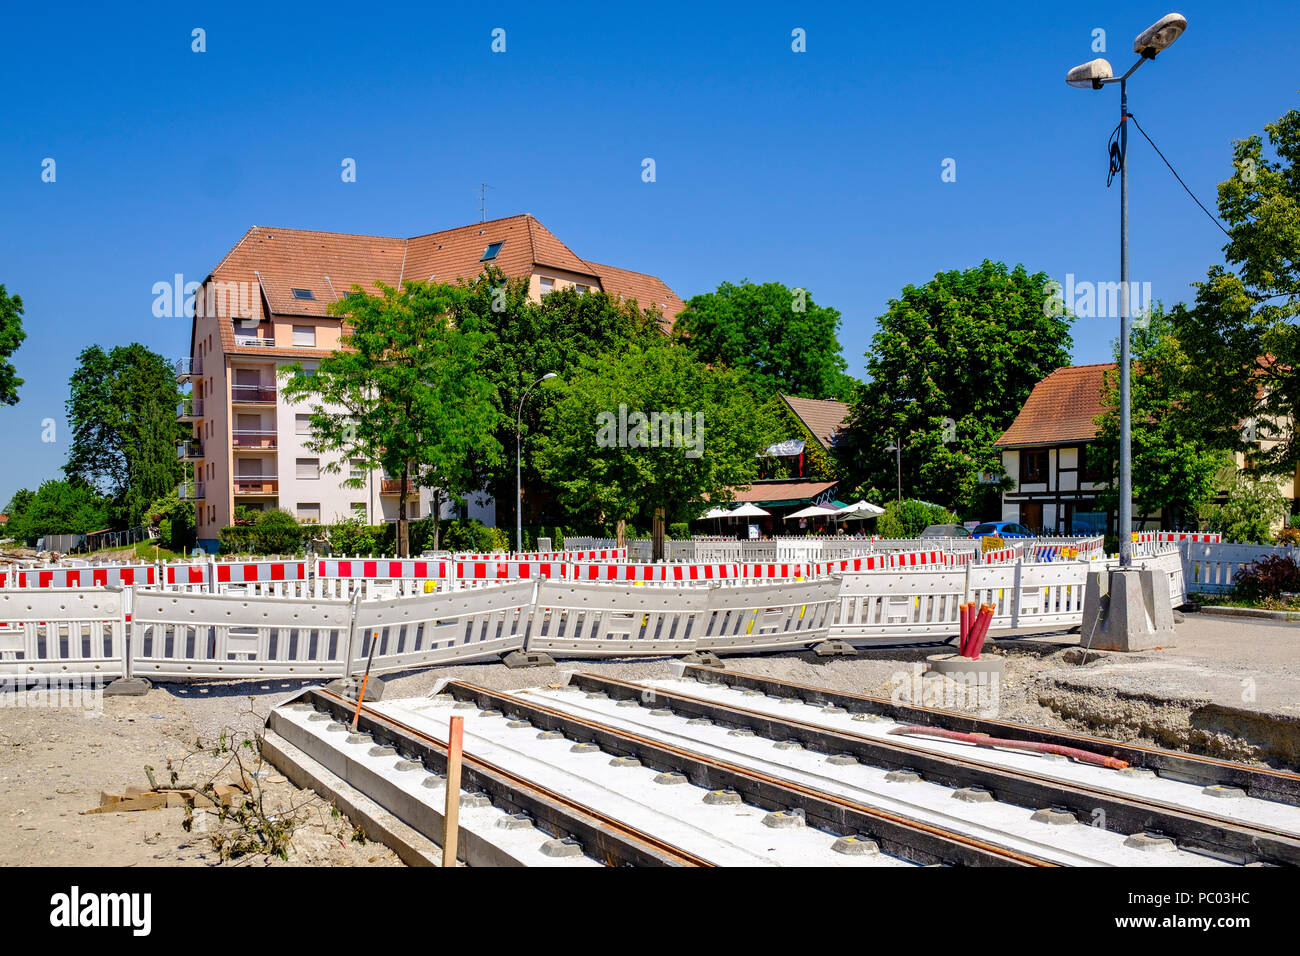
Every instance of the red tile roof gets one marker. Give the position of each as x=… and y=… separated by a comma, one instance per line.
x=276, y=261
x=761, y=491
x=1061, y=408
x=824, y=418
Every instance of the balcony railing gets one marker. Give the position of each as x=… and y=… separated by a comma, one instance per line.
x=253, y=440
x=393, y=486
x=190, y=408
x=253, y=394
x=190, y=491
x=254, y=340
x=189, y=450
x=256, y=486
x=188, y=367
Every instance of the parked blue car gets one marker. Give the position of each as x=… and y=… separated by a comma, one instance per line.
x=1001, y=529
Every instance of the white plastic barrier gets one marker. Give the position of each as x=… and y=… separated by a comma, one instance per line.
x=179, y=634
x=623, y=620
x=678, y=573
x=63, y=632
x=461, y=626
x=1212, y=567
x=377, y=578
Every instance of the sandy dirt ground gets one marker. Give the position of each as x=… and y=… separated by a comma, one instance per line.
x=1228, y=688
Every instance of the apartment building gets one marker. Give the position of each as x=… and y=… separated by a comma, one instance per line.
x=265, y=306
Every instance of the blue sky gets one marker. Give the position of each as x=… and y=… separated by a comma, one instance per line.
x=819, y=169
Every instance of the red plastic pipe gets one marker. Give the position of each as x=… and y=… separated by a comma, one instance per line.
x=984, y=740
x=963, y=629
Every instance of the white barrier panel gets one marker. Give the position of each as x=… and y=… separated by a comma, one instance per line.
x=129, y=575
x=768, y=617
x=1212, y=567
x=616, y=620
x=247, y=572
x=477, y=571
x=1030, y=595
x=187, y=577
x=176, y=634
x=683, y=573
x=66, y=633
x=459, y=626
x=911, y=604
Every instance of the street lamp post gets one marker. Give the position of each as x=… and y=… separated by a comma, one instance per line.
x=1094, y=75
x=519, y=464
x=896, y=447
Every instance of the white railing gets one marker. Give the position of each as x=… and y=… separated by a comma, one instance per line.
x=1212, y=567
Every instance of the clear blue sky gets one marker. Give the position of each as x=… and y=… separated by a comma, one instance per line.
x=820, y=169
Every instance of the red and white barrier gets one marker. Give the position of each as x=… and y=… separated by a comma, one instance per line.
x=134, y=575
x=468, y=571
x=916, y=559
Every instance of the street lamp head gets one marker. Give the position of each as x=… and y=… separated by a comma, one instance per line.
x=1090, y=75
x=549, y=375
x=1160, y=35
x=891, y=447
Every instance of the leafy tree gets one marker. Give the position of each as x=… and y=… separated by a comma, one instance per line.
x=1175, y=471
x=951, y=365
x=530, y=339
x=122, y=412
x=1252, y=509
x=909, y=517
x=11, y=336
x=784, y=340
x=403, y=393
x=174, y=519
x=57, y=507
x=1241, y=329
x=603, y=459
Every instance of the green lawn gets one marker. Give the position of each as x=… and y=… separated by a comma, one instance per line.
x=144, y=551
x=1265, y=604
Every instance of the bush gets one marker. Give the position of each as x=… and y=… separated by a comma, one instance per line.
x=1289, y=535
x=907, y=519
x=1268, y=577
x=1249, y=515
x=278, y=532
x=352, y=536
x=679, y=531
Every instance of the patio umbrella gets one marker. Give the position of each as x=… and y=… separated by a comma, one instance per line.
x=748, y=510
x=812, y=511
x=858, y=511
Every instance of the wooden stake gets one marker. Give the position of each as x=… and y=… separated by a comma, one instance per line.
x=451, y=813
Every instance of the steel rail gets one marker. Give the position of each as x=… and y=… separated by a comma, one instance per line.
x=618, y=842
x=1219, y=835
x=1261, y=782
x=910, y=839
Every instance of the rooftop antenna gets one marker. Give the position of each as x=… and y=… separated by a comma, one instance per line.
x=482, y=201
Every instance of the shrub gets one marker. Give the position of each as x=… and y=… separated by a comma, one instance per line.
x=351, y=536
x=679, y=531
x=1250, y=512
x=1268, y=577
x=1289, y=535
x=278, y=532
x=908, y=518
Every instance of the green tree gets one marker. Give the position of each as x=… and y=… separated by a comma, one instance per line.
x=11, y=336
x=1241, y=330
x=122, y=412
x=951, y=365
x=909, y=517
x=174, y=519
x=57, y=507
x=403, y=393
x=278, y=532
x=1175, y=471
x=784, y=340
x=1252, y=510
x=530, y=339
x=609, y=465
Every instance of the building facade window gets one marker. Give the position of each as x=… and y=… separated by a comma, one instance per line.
x=548, y=286
x=304, y=336
x=1090, y=468
x=1033, y=465
x=357, y=469
x=309, y=512
x=308, y=468
x=302, y=424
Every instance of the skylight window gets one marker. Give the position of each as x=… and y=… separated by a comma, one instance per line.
x=491, y=251
x=304, y=294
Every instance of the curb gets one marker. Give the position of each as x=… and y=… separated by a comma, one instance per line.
x=1292, y=617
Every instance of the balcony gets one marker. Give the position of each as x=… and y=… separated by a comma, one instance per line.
x=190, y=491
x=253, y=441
x=256, y=486
x=255, y=340
x=190, y=409
x=189, y=450
x=252, y=394
x=188, y=369
x=393, y=486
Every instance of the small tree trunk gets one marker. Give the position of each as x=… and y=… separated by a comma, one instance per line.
x=437, y=517
x=620, y=536
x=403, y=528
x=657, y=535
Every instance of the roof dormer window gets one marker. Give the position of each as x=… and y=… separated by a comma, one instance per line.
x=491, y=251
x=304, y=294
